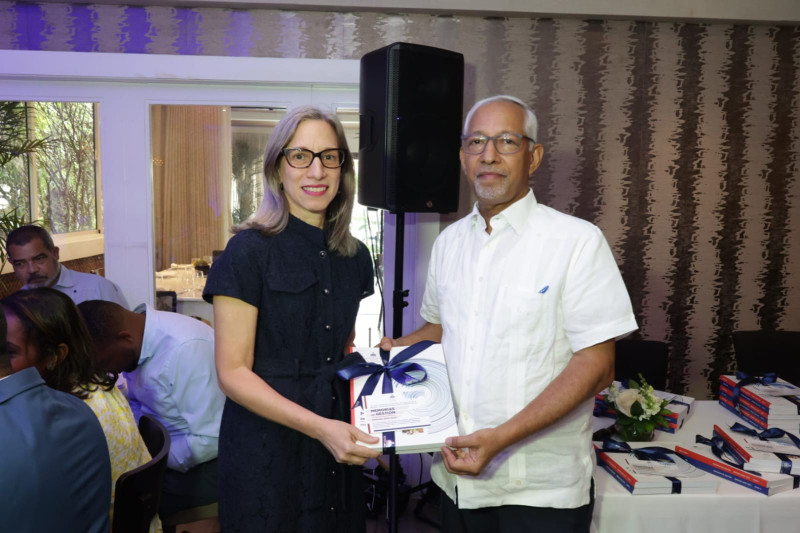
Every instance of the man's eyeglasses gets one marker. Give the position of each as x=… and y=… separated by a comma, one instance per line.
x=504, y=143
x=302, y=158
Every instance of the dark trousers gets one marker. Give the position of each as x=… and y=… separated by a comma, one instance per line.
x=516, y=518
x=193, y=488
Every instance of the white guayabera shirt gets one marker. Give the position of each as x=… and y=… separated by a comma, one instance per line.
x=514, y=306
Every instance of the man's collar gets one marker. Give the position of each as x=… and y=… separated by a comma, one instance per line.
x=64, y=279
x=515, y=215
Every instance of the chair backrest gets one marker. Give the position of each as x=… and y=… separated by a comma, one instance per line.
x=167, y=301
x=650, y=358
x=138, y=491
x=760, y=351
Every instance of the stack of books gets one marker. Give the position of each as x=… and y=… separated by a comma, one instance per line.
x=764, y=406
x=777, y=455
x=412, y=418
x=647, y=476
x=681, y=408
x=702, y=457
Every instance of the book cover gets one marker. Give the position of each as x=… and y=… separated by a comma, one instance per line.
x=412, y=418
x=655, y=476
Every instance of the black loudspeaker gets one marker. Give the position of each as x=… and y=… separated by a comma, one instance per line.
x=411, y=99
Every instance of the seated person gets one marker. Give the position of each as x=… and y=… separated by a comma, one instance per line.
x=46, y=331
x=35, y=260
x=167, y=360
x=55, y=473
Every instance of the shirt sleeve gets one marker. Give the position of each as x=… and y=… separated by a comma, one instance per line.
x=430, y=299
x=237, y=272
x=367, y=271
x=596, y=303
x=195, y=401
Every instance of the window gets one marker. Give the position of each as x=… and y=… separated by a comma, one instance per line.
x=58, y=183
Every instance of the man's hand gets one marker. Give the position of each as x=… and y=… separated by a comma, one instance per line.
x=386, y=344
x=468, y=455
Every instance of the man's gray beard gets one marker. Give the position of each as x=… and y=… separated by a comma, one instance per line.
x=491, y=192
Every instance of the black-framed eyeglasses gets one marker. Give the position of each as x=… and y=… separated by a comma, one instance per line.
x=505, y=143
x=302, y=158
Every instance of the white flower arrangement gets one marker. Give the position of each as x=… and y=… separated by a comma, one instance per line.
x=638, y=409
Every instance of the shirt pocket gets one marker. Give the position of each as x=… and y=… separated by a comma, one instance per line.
x=295, y=282
x=523, y=315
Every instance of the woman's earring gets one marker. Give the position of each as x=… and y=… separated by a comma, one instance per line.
x=51, y=366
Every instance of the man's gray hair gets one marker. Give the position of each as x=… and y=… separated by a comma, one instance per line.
x=531, y=123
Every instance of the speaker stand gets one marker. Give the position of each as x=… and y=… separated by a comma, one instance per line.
x=398, y=304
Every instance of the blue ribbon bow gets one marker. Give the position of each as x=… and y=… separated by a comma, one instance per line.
x=397, y=369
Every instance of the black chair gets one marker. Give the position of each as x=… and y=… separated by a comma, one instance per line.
x=758, y=352
x=138, y=491
x=649, y=358
x=167, y=301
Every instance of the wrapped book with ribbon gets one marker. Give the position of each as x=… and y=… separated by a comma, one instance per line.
x=716, y=456
x=770, y=450
x=403, y=397
x=645, y=469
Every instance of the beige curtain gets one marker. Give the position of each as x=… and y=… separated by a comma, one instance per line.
x=191, y=181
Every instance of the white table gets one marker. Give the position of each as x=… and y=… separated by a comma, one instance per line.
x=732, y=509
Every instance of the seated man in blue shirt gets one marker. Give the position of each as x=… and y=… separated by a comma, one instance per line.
x=55, y=474
x=167, y=360
x=35, y=260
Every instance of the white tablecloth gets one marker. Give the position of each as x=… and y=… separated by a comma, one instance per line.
x=732, y=509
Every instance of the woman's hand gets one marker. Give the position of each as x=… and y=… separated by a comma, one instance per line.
x=340, y=439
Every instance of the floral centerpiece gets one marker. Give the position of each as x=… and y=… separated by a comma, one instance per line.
x=638, y=409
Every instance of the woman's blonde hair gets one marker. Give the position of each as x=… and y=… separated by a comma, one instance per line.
x=272, y=215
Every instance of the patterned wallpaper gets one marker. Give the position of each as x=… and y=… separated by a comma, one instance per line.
x=681, y=141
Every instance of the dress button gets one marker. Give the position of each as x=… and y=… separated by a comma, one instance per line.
x=323, y=253
x=333, y=473
x=333, y=398
x=327, y=327
x=333, y=508
x=329, y=359
x=325, y=291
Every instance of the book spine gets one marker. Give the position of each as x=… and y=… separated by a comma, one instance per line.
x=736, y=448
x=744, y=391
x=727, y=403
x=617, y=472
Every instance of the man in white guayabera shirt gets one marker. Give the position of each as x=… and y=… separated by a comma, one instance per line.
x=527, y=303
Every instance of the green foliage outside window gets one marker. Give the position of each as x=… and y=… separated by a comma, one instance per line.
x=53, y=164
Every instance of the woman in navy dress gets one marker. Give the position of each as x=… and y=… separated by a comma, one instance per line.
x=286, y=292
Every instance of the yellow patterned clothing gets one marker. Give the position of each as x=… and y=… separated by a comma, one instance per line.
x=125, y=445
